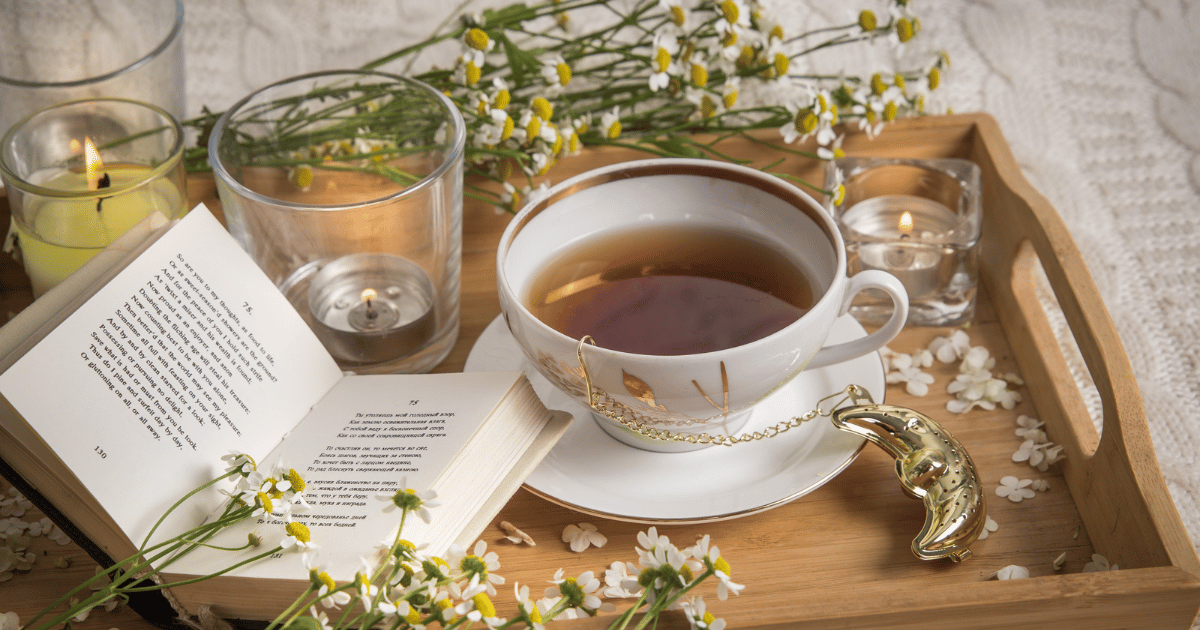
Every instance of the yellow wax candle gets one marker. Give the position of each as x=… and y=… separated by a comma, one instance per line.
x=60, y=235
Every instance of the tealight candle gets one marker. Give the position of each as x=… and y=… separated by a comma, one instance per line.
x=81, y=174
x=918, y=220
x=60, y=234
x=907, y=228
x=368, y=308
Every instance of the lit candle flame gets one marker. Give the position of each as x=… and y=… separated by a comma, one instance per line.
x=368, y=295
x=906, y=224
x=93, y=166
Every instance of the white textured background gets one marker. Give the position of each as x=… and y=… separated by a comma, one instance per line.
x=1099, y=100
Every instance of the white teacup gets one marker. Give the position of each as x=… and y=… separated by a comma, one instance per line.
x=709, y=392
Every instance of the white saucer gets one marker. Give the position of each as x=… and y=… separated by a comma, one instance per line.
x=593, y=473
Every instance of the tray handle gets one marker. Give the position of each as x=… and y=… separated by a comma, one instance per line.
x=1114, y=477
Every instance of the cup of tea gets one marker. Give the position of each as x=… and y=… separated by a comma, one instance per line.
x=703, y=286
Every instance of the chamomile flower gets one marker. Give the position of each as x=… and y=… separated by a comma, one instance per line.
x=479, y=564
x=620, y=580
x=411, y=500
x=298, y=536
x=578, y=591
x=557, y=74
x=610, y=123
x=327, y=589
x=662, y=60
x=679, y=13
x=699, y=616
x=240, y=462
x=529, y=610
x=735, y=16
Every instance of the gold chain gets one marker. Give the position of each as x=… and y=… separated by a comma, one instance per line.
x=635, y=422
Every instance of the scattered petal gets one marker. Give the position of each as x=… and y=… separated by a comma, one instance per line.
x=1060, y=561
x=516, y=535
x=582, y=536
x=989, y=526
x=1015, y=489
x=1041, y=485
x=1099, y=563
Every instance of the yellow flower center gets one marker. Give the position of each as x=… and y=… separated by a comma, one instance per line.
x=413, y=617
x=614, y=130
x=833, y=110
x=564, y=73
x=889, y=111
x=904, y=30
x=867, y=21
x=662, y=59
x=776, y=32
x=501, y=100
x=806, y=121
x=535, y=615
x=781, y=64
x=484, y=605
x=302, y=177
x=707, y=106
x=899, y=80
x=840, y=197
x=473, y=73
x=558, y=139
x=935, y=78
x=263, y=499
x=296, y=480
x=573, y=143
x=729, y=39
x=730, y=98
x=699, y=75
x=542, y=108
x=729, y=9
x=722, y=565
x=677, y=15
x=299, y=531
x=477, y=39
x=878, y=87
x=326, y=581
x=533, y=128
x=507, y=130
x=708, y=618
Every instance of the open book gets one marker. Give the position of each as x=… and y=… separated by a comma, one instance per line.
x=129, y=394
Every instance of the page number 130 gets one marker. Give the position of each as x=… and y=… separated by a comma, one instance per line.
x=101, y=453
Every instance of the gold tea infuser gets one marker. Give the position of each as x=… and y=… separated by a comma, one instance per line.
x=932, y=464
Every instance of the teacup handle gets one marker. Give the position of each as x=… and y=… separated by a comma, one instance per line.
x=869, y=279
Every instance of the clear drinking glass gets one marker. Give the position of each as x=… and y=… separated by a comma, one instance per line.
x=919, y=220
x=81, y=174
x=346, y=189
x=54, y=51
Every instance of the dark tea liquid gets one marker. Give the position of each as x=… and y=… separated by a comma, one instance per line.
x=671, y=290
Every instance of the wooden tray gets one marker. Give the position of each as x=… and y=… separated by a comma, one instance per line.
x=839, y=557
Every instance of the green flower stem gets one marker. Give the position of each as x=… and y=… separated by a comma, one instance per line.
x=293, y=611
x=665, y=602
x=627, y=616
x=187, y=496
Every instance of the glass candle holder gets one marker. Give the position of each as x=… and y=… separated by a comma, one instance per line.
x=55, y=51
x=81, y=174
x=919, y=220
x=346, y=189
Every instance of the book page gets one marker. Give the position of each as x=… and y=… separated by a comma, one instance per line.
x=370, y=433
x=188, y=353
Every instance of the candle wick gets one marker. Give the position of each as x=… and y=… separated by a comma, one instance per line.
x=104, y=182
x=905, y=235
x=371, y=314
